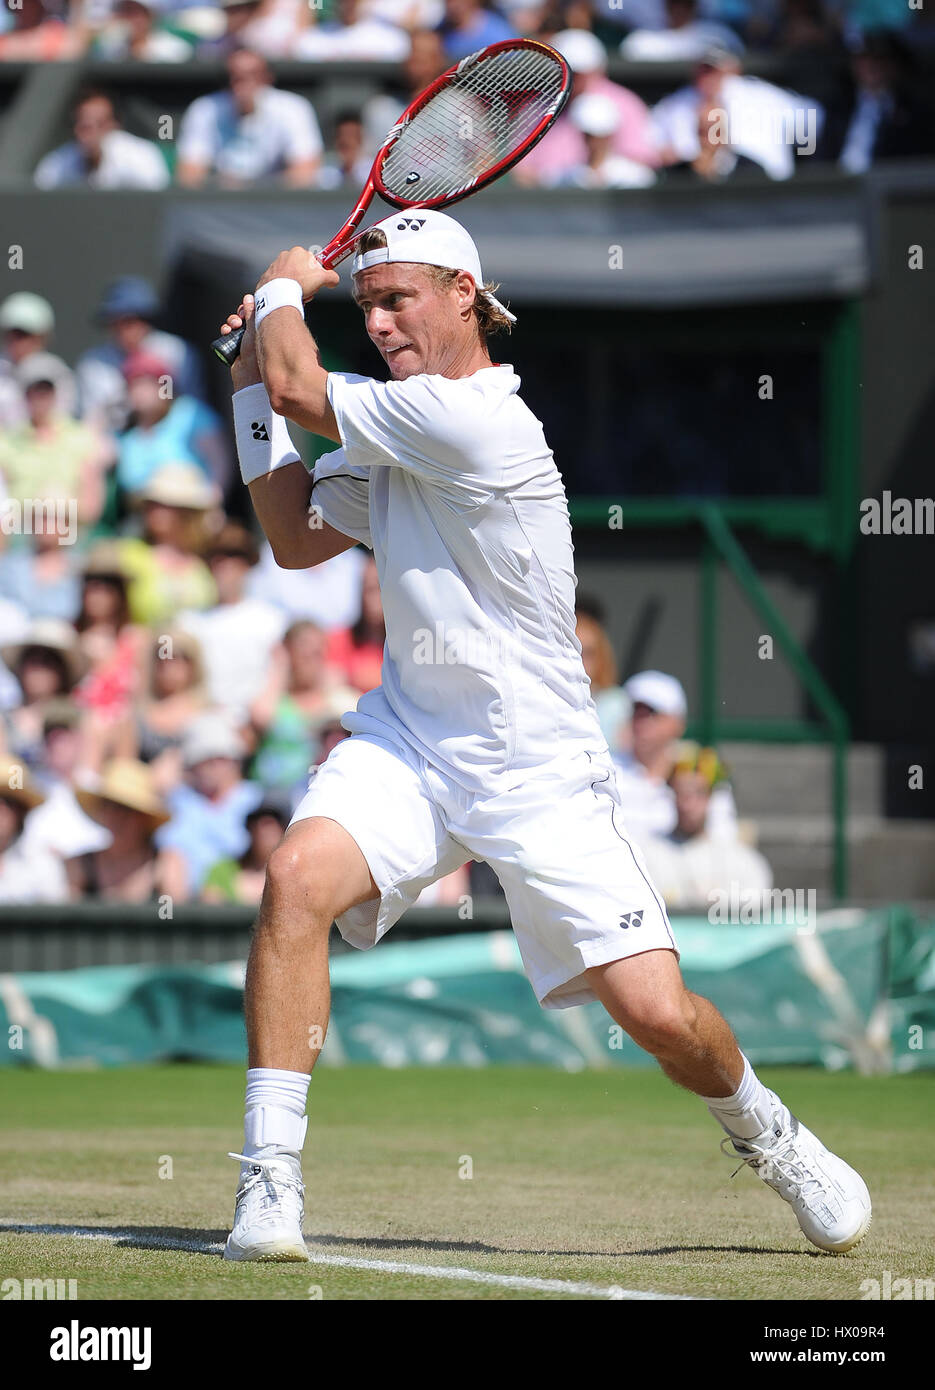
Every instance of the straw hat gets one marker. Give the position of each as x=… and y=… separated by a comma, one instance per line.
x=180, y=485
x=105, y=561
x=17, y=785
x=57, y=636
x=128, y=783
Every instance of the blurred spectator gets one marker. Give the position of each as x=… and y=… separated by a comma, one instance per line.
x=425, y=61
x=102, y=154
x=684, y=39
x=37, y=36
x=658, y=723
x=47, y=663
x=209, y=811
x=330, y=734
x=888, y=113
x=565, y=147
x=597, y=117
x=347, y=161
x=29, y=873
x=328, y=594
x=242, y=880
x=130, y=869
x=128, y=310
x=27, y=322
x=469, y=25
x=42, y=577
x=743, y=117
x=165, y=566
x=270, y=27
x=597, y=655
x=249, y=132
x=167, y=428
x=237, y=635
x=112, y=645
x=804, y=25
x=300, y=694
x=688, y=865
x=410, y=15
x=357, y=652
x=171, y=697
x=60, y=824
x=136, y=34
x=52, y=457
x=353, y=37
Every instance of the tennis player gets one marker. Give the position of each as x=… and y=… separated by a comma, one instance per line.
x=482, y=740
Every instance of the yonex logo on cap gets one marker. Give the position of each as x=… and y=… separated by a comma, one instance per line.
x=411, y=224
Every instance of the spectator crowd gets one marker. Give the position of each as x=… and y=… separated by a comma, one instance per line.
x=723, y=121
x=166, y=689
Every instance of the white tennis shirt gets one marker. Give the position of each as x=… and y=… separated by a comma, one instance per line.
x=453, y=487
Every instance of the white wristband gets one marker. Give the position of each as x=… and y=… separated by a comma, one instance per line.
x=263, y=442
x=277, y=294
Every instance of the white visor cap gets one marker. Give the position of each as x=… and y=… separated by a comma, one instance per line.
x=426, y=237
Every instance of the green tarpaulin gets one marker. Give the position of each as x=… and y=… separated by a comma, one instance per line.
x=858, y=991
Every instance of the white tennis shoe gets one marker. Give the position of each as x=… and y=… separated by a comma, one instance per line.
x=270, y=1209
x=830, y=1200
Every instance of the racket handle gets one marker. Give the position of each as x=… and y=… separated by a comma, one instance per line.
x=227, y=347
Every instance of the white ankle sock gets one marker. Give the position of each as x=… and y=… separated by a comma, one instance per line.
x=275, y=1109
x=748, y=1111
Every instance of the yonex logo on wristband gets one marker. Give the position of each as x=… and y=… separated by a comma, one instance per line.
x=259, y=429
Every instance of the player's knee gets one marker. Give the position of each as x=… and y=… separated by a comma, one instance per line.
x=296, y=896
x=660, y=1026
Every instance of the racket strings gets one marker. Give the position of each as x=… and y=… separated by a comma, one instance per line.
x=485, y=114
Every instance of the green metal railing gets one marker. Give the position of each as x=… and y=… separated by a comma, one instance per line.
x=722, y=544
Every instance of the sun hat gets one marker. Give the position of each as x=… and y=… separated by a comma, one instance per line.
x=129, y=783
x=582, y=50
x=426, y=237
x=595, y=113
x=661, y=692
x=41, y=366
x=54, y=634
x=212, y=736
x=130, y=297
x=180, y=485
x=30, y=313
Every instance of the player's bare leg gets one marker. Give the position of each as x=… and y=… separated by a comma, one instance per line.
x=315, y=875
x=694, y=1045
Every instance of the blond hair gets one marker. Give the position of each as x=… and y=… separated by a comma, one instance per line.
x=488, y=317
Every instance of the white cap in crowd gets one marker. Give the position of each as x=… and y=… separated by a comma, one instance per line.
x=582, y=50
x=660, y=692
x=595, y=113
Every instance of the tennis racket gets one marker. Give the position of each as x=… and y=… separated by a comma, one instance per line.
x=467, y=128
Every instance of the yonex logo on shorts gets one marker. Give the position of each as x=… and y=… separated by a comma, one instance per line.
x=631, y=919
x=259, y=429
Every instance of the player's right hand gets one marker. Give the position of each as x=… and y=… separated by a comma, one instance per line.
x=245, y=370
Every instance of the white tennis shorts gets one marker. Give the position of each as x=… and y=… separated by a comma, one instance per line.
x=578, y=891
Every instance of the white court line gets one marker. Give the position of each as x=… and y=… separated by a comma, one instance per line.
x=316, y=1257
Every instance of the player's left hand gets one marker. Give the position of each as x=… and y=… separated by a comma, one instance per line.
x=299, y=264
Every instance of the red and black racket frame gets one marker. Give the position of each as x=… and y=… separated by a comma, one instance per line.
x=342, y=244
